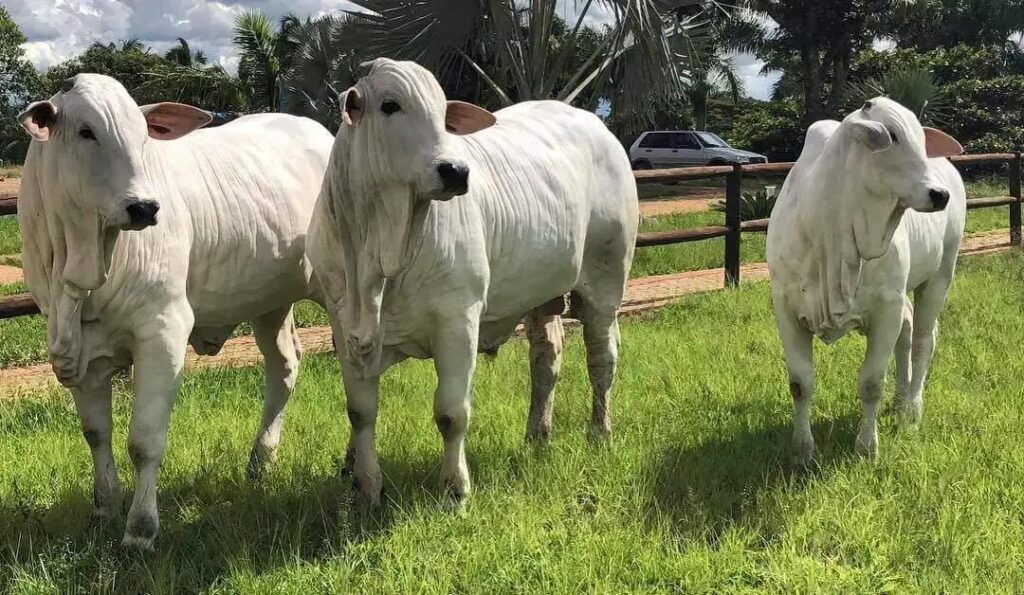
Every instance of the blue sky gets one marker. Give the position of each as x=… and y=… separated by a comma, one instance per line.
x=58, y=29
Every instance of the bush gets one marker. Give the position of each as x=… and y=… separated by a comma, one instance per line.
x=753, y=205
x=772, y=128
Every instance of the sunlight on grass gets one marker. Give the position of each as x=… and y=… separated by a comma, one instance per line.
x=695, y=493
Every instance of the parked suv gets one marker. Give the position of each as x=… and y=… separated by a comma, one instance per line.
x=673, y=148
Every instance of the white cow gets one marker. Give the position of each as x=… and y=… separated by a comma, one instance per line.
x=408, y=270
x=869, y=213
x=234, y=205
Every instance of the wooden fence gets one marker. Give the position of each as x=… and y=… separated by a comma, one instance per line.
x=732, y=231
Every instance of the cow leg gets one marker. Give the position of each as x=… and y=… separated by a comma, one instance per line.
x=454, y=361
x=159, y=362
x=798, y=347
x=545, y=335
x=928, y=302
x=361, y=395
x=903, y=363
x=883, y=332
x=279, y=344
x=92, y=400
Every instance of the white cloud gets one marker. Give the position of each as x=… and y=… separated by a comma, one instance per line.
x=59, y=29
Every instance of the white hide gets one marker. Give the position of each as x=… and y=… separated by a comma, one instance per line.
x=228, y=246
x=858, y=226
x=413, y=268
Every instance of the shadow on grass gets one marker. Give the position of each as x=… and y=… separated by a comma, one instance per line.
x=213, y=526
x=703, y=490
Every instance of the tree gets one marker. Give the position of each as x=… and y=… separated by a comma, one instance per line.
x=913, y=87
x=265, y=55
x=18, y=85
x=641, y=56
x=323, y=63
x=931, y=24
x=182, y=54
x=127, y=62
x=813, y=42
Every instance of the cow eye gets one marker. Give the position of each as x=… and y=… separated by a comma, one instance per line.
x=895, y=139
x=86, y=133
x=389, y=107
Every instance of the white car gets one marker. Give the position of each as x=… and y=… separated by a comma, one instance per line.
x=658, y=149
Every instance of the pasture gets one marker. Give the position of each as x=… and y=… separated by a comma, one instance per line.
x=695, y=492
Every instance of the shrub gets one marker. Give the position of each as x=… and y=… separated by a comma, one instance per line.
x=753, y=205
x=772, y=128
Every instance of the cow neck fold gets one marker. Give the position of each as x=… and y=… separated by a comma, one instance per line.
x=845, y=225
x=380, y=230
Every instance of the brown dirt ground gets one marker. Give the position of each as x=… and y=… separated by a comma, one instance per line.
x=10, y=274
x=9, y=186
x=641, y=295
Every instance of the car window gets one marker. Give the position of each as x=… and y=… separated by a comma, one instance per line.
x=712, y=140
x=685, y=140
x=656, y=140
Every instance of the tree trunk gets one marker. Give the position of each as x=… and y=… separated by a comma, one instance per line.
x=840, y=74
x=700, y=112
x=812, y=84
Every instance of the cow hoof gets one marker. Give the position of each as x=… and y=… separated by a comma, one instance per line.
x=260, y=459
x=104, y=511
x=908, y=414
x=138, y=542
x=867, y=446
x=368, y=488
x=599, y=433
x=538, y=436
x=457, y=486
x=803, y=452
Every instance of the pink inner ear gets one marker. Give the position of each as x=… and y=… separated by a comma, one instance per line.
x=168, y=121
x=466, y=118
x=939, y=144
x=38, y=119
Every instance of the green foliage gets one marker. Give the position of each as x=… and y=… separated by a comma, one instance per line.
x=948, y=65
x=323, y=64
x=19, y=82
x=929, y=24
x=753, y=205
x=773, y=128
x=259, y=66
x=913, y=87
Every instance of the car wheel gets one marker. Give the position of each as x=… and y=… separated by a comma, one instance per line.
x=718, y=162
x=642, y=164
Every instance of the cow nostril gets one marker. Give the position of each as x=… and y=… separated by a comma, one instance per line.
x=939, y=197
x=143, y=212
x=454, y=177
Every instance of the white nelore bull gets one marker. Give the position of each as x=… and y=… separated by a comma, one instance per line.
x=412, y=269
x=233, y=205
x=870, y=212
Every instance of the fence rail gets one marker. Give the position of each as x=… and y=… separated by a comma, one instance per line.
x=732, y=231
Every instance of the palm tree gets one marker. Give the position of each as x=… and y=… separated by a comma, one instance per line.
x=640, y=56
x=265, y=55
x=323, y=63
x=182, y=54
x=259, y=65
x=913, y=87
x=707, y=78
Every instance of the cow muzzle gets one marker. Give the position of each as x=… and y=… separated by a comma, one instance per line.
x=142, y=214
x=454, y=177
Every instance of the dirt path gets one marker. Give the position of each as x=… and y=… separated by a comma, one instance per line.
x=9, y=186
x=10, y=275
x=641, y=295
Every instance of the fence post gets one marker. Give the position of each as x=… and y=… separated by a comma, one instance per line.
x=733, y=219
x=1014, y=171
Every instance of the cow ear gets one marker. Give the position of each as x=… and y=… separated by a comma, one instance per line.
x=466, y=118
x=39, y=119
x=168, y=121
x=939, y=144
x=351, y=103
x=874, y=135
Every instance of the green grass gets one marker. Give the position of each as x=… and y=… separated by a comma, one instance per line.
x=10, y=236
x=695, y=493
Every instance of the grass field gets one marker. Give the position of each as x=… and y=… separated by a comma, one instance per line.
x=695, y=492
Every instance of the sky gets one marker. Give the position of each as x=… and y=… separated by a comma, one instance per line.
x=59, y=29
